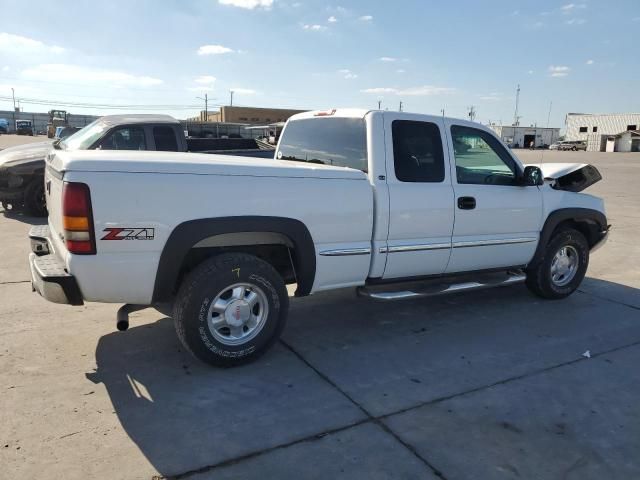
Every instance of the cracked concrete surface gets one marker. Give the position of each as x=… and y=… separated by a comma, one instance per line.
x=483, y=385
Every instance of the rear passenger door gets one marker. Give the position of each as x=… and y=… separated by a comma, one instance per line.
x=420, y=196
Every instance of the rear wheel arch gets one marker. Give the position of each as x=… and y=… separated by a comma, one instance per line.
x=235, y=232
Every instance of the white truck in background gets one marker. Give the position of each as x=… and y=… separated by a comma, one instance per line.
x=397, y=204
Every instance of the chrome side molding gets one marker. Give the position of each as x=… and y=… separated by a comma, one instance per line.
x=345, y=252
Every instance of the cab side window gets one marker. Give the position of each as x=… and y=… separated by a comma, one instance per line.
x=125, y=138
x=481, y=159
x=417, y=151
x=165, y=139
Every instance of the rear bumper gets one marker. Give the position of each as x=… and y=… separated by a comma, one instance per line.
x=49, y=276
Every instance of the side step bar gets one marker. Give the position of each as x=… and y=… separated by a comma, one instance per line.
x=441, y=286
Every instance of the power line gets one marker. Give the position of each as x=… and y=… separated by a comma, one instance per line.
x=40, y=101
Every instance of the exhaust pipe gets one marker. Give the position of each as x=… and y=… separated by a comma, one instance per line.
x=122, y=317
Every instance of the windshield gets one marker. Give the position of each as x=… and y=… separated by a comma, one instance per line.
x=328, y=141
x=84, y=138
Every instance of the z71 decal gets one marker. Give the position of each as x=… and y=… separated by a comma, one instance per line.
x=128, y=234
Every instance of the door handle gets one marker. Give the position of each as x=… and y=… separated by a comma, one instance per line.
x=466, y=203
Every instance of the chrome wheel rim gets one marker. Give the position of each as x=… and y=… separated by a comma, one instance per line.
x=237, y=313
x=564, y=265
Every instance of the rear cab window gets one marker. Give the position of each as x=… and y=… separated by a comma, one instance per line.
x=336, y=141
x=417, y=151
x=165, y=139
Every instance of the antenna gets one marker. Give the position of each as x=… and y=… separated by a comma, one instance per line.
x=400, y=105
x=516, y=118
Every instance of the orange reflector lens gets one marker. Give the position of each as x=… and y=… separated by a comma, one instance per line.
x=75, y=223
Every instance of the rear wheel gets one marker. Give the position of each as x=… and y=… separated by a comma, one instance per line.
x=34, y=199
x=562, y=267
x=230, y=309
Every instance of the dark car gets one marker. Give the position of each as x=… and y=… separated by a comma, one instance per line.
x=24, y=127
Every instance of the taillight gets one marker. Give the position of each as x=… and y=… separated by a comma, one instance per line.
x=77, y=219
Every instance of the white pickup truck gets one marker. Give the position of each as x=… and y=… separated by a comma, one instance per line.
x=397, y=204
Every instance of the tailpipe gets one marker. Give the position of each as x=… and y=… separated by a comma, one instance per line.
x=122, y=317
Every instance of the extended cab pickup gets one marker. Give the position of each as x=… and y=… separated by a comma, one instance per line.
x=354, y=198
x=22, y=167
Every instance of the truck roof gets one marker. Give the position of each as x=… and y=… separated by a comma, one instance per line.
x=138, y=118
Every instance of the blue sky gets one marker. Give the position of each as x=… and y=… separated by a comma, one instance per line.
x=312, y=54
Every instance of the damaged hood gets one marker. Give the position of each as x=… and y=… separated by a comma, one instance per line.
x=13, y=156
x=572, y=177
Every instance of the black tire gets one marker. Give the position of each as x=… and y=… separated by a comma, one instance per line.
x=34, y=200
x=201, y=287
x=539, y=276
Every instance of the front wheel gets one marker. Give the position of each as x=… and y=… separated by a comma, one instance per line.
x=563, y=266
x=230, y=309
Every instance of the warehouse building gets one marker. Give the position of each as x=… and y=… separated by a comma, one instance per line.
x=600, y=130
x=250, y=115
x=40, y=120
x=521, y=137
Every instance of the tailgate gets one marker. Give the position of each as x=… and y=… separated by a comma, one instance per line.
x=53, y=192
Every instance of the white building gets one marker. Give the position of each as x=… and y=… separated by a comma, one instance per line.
x=599, y=129
x=627, y=141
x=521, y=137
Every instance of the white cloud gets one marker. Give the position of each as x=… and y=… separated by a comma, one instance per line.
x=214, y=50
x=387, y=59
x=248, y=4
x=422, y=91
x=6, y=68
x=379, y=90
x=348, y=74
x=570, y=7
x=19, y=45
x=400, y=70
x=332, y=19
x=205, y=79
x=492, y=97
x=88, y=75
x=314, y=28
x=635, y=19
x=530, y=72
x=204, y=83
x=366, y=18
x=559, y=70
x=590, y=62
x=243, y=91
x=576, y=21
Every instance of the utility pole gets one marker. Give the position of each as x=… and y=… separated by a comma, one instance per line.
x=549, y=115
x=400, y=105
x=13, y=94
x=472, y=113
x=516, y=119
x=379, y=104
x=205, y=117
x=231, y=102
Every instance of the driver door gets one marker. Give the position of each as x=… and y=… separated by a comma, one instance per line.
x=497, y=221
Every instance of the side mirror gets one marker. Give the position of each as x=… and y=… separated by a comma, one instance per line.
x=532, y=176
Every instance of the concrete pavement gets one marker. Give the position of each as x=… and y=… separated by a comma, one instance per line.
x=490, y=384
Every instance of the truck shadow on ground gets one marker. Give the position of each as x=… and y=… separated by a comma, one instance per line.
x=22, y=217
x=184, y=415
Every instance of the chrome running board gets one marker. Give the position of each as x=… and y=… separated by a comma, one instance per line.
x=441, y=286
